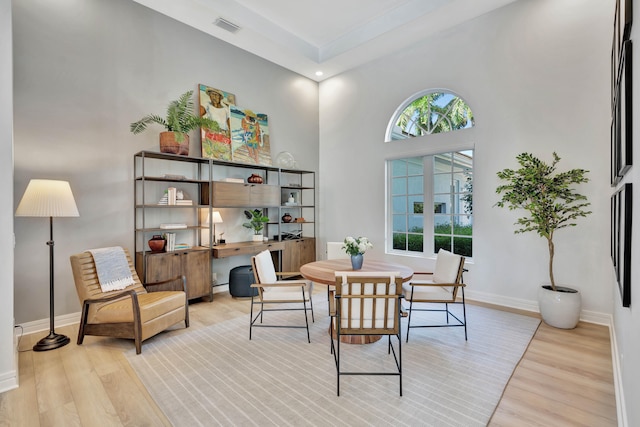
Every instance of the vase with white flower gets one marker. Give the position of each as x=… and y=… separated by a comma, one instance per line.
x=356, y=249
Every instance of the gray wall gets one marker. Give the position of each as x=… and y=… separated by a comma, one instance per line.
x=8, y=373
x=83, y=72
x=537, y=76
x=627, y=320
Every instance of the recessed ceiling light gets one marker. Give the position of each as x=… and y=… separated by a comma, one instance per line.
x=319, y=73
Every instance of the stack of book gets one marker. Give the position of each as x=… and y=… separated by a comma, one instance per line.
x=171, y=242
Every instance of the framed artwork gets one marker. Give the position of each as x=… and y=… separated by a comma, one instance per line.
x=623, y=212
x=614, y=232
x=615, y=56
x=215, y=105
x=623, y=113
x=624, y=12
x=250, y=137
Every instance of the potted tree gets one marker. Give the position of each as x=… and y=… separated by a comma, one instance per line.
x=256, y=223
x=180, y=120
x=552, y=204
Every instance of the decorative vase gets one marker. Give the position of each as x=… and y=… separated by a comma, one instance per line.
x=255, y=179
x=356, y=261
x=286, y=218
x=561, y=308
x=172, y=144
x=156, y=243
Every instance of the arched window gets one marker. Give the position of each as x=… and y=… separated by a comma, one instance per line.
x=428, y=113
x=430, y=205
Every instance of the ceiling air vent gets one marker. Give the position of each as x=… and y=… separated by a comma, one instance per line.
x=226, y=25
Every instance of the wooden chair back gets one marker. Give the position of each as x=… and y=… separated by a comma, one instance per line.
x=368, y=303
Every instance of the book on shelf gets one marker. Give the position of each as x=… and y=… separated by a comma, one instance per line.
x=172, y=194
x=170, y=226
x=184, y=202
x=171, y=241
x=239, y=180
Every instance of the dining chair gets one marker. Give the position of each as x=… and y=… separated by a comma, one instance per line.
x=296, y=292
x=135, y=312
x=335, y=251
x=366, y=303
x=439, y=287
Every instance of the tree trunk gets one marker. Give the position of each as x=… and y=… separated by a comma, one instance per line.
x=551, y=253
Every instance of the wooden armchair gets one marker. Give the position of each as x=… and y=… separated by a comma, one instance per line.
x=282, y=293
x=439, y=287
x=367, y=303
x=134, y=312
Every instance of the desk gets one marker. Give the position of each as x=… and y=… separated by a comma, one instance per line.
x=245, y=248
x=324, y=272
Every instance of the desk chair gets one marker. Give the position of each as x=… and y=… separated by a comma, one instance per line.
x=367, y=303
x=439, y=287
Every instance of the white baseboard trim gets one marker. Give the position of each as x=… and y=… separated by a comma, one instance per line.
x=72, y=318
x=9, y=380
x=221, y=288
x=532, y=306
x=617, y=377
x=43, y=324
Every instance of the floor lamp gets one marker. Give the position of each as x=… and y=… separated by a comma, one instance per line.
x=42, y=198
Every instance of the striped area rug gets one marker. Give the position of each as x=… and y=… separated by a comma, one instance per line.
x=216, y=376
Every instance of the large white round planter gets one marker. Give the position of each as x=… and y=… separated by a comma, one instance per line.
x=561, y=308
x=257, y=238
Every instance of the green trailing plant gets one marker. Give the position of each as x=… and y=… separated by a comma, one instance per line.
x=181, y=118
x=257, y=220
x=547, y=195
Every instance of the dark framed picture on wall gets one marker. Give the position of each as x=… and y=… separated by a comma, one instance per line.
x=623, y=112
x=623, y=241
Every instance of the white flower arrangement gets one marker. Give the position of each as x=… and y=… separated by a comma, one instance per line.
x=356, y=246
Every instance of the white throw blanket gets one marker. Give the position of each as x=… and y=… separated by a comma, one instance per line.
x=112, y=268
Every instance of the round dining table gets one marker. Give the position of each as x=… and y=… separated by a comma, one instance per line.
x=324, y=272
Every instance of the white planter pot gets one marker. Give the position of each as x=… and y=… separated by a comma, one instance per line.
x=561, y=308
x=257, y=237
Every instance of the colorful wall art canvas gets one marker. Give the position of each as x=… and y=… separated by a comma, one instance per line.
x=250, y=137
x=214, y=104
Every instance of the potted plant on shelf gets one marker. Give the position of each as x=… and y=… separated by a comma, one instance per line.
x=256, y=222
x=180, y=120
x=552, y=204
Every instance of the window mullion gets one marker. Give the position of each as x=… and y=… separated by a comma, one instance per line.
x=429, y=203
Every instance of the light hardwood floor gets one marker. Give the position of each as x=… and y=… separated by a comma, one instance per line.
x=564, y=379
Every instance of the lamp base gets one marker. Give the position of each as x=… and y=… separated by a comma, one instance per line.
x=51, y=342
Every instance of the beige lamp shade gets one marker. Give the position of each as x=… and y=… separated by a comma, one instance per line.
x=45, y=197
x=217, y=219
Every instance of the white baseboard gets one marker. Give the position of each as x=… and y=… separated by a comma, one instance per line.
x=44, y=324
x=221, y=288
x=617, y=377
x=532, y=306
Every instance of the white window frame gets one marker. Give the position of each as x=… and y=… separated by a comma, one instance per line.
x=428, y=215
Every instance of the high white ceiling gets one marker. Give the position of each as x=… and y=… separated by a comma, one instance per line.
x=329, y=35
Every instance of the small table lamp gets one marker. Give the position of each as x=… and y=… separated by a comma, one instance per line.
x=42, y=198
x=217, y=219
